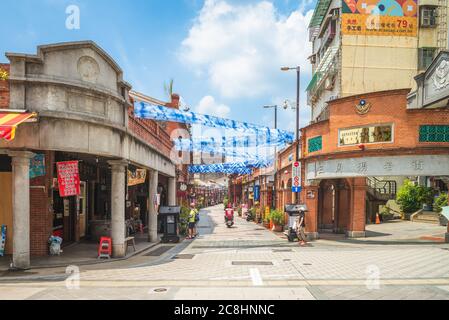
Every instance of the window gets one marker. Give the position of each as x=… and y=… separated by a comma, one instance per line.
x=425, y=57
x=434, y=133
x=428, y=17
x=315, y=144
x=365, y=135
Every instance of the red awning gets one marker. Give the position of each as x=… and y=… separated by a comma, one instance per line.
x=9, y=121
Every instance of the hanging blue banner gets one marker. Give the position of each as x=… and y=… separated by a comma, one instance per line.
x=149, y=111
x=253, y=154
x=37, y=166
x=256, y=193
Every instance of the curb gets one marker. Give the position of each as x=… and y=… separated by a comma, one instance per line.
x=81, y=262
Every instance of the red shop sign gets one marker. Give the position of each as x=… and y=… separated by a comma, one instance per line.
x=68, y=178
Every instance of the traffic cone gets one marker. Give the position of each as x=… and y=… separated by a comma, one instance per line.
x=377, y=218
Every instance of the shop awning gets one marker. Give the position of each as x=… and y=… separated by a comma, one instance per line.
x=9, y=122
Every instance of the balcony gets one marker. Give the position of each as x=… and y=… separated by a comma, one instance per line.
x=325, y=70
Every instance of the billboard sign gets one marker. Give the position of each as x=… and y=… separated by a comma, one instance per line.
x=380, y=17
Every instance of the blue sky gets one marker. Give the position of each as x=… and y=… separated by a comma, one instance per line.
x=224, y=55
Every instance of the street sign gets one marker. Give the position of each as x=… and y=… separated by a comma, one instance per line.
x=296, y=177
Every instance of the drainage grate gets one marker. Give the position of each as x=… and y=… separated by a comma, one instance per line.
x=184, y=256
x=282, y=250
x=252, y=263
x=260, y=229
x=158, y=290
x=306, y=264
x=158, y=252
x=203, y=227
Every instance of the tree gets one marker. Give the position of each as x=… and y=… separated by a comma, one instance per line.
x=409, y=197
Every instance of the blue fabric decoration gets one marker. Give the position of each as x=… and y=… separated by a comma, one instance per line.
x=187, y=145
x=231, y=168
x=149, y=111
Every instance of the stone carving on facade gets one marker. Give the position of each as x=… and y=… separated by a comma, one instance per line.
x=363, y=107
x=441, y=75
x=88, y=69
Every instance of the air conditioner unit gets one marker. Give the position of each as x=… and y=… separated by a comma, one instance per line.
x=329, y=83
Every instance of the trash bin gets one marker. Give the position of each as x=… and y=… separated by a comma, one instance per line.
x=55, y=245
x=170, y=218
x=293, y=211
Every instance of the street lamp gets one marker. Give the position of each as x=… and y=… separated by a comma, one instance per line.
x=298, y=77
x=275, y=147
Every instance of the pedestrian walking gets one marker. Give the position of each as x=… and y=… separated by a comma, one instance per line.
x=197, y=220
x=192, y=218
x=300, y=229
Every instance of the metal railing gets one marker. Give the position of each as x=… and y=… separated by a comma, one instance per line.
x=383, y=187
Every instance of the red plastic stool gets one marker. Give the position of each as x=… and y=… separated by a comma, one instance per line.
x=105, y=248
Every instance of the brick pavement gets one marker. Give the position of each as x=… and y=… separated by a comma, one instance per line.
x=275, y=269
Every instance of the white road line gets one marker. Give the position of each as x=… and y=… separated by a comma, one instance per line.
x=256, y=277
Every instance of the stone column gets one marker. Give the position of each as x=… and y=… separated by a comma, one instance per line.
x=311, y=200
x=171, y=191
x=152, y=219
x=21, y=208
x=118, y=207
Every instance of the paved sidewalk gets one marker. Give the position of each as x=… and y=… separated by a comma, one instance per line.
x=250, y=262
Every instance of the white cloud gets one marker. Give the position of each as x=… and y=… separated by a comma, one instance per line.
x=209, y=106
x=241, y=47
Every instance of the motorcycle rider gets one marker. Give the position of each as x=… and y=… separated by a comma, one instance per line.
x=229, y=213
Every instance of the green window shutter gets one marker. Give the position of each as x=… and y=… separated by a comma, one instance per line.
x=315, y=144
x=439, y=133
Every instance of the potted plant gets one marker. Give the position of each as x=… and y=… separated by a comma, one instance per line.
x=426, y=197
x=277, y=218
x=409, y=198
x=239, y=210
x=441, y=201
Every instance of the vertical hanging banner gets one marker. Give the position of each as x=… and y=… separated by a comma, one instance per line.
x=68, y=178
x=37, y=166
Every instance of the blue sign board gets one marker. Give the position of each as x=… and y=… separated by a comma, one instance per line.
x=256, y=193
x=37, y=166
x=296, y=189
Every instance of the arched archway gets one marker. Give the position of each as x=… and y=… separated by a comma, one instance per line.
x=334, y=206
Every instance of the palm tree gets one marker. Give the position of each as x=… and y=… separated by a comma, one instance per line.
x=168, y=88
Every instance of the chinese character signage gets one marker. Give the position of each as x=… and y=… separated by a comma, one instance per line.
x=37, y=166
x=68, y=178
x=364, y=135
x=136, y=177
x=380, y=18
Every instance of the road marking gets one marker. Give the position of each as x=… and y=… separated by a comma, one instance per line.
x=256, y=277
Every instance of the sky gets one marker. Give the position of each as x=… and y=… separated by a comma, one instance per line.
x=224, y=56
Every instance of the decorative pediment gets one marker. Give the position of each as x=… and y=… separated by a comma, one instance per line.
x=433, y=85
x=436, y=80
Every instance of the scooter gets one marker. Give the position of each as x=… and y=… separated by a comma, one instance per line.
x=229, y=217
x=229, y=222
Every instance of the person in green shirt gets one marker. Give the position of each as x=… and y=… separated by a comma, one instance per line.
x=192, y=220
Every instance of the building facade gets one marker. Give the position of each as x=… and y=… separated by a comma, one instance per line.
x=83, y=114
x=353, y=160
x=364, y=46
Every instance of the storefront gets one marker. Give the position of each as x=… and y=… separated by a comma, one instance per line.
x=86, y=118
x=358, y=157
